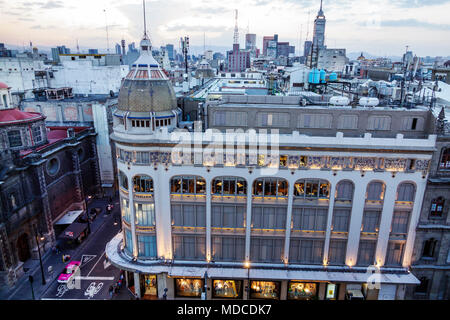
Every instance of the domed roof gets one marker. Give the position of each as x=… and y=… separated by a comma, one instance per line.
x=146, y=88
x=3, y=85
x=14, y=116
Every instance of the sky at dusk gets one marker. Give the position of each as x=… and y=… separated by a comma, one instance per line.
x=380, y=27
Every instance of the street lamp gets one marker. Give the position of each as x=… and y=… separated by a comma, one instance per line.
x=40, y=257
x=247, y=266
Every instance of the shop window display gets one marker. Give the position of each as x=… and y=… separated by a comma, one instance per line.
x=265, y=290
x=227, y=289
x=189, y=288
x=302, y=291
x=149, y=285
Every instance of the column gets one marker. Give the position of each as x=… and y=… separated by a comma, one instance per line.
x=137, y=285
x=163, y=213
x=132, y=219
x=248, y=219
x=390, y=196
x=359, y=199
x=288, y=220
x=329, y=222
x=414, y=219
x=208, y=219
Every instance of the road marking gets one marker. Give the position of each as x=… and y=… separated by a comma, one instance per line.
x=106, y=264
x=62, y=288
x=85, y=258
x=96, y=263
x=95, y=278
x=93, y=289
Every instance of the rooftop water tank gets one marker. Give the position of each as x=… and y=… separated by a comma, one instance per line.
x=369, y=102
x=333, y=76
x=339, y=101
x=323, y=74
x=314, y=76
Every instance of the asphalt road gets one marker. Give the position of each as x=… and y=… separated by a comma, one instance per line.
x=97, y=275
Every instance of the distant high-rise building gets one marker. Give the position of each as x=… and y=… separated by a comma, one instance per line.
x=250, y=41
x=118, y=48
x=170, y=51
x=283, y=49
x=122, y=42
x=95, y=51
x=59, y=50
x=319, y=29
x=307, y=48
x=266, y=40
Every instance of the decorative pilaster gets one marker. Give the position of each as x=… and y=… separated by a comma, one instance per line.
x=46, y=211
x=98, y=180
x=248, y=219
x=77, y=176
x=288, y=221
x=329, y=222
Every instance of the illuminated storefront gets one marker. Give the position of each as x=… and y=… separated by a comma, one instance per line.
x=230, y=289
x=188, y=287
x=298, y=290
x=149, y=287
x=265, y=290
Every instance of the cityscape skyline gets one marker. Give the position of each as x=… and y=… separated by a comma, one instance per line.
x=383, y=29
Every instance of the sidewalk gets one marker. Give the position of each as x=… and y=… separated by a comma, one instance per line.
x=22, y=289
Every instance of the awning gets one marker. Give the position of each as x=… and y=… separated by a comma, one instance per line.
x=74, y=230
x=69, y=217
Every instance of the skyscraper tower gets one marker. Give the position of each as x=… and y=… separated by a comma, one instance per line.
x=236, y=30
x=318, y=42
x=319, y=29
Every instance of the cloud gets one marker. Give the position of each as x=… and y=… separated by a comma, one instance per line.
x=194, y=28
x=414, y=23
x=418, y=3
x=53, y=5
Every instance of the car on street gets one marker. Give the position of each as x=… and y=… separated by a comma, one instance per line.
x=69, y=272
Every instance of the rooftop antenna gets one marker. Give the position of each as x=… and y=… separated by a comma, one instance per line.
x=204, y=44
x=300, y=40
x=107, y=34
x=307, y=26
x=236, y=30
x=78, y=47
x=145, y=21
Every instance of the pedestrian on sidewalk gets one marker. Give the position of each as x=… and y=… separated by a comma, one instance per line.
x=111, y=291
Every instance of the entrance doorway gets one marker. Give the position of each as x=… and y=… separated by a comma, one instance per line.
x=23, y=247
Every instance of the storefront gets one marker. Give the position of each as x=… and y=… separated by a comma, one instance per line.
x=298, y=290
x=227, y=289
x=188, y=287
x=265, y=290
x=149, y=287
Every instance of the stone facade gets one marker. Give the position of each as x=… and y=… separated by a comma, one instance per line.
x=39, y=187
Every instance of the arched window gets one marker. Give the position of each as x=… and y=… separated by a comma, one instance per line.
x=375, y=191
x=188, y=185
x=270, y=187
x=229, y=186
x=123, y=180
x=437, y=207
x=344, y=191
x=445, y=159
x=311, y=188
x=143, y=184
x=406, y=192
x=429, y=248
